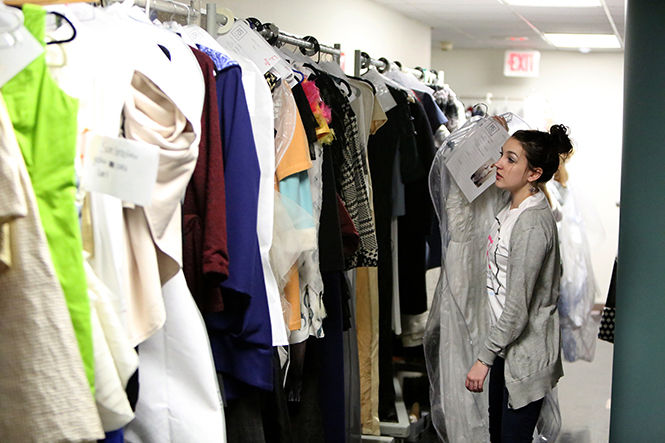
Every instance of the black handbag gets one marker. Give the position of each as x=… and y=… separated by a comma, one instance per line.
x=606, y=331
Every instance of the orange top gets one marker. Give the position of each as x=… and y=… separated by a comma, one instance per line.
x=296, y=159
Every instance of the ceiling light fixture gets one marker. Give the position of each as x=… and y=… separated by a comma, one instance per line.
x=555, y=3
x=592, y=41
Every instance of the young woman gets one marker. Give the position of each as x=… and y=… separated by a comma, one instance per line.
x=522, y=349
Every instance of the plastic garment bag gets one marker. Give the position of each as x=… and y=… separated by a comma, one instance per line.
x=578, y=288
x=285, y=119
x=459, y=316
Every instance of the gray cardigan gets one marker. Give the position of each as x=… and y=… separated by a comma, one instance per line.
x=528, y=329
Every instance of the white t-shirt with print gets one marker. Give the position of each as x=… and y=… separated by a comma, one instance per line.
x=498, y=244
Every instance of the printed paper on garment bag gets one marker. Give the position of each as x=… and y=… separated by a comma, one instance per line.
x=123, y=168
x=244, y=40
x=470, y=162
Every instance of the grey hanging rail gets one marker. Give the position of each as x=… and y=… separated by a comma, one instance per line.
x=182, y=8
x=213, y=20
x=308, y=44
x=363, y=60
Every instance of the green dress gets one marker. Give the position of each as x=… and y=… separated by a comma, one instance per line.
x=45, y=122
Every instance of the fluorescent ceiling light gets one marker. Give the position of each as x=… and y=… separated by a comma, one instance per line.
x=594, y=41
x=555, y=3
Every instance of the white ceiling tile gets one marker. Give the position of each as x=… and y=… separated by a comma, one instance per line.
x=488, y=23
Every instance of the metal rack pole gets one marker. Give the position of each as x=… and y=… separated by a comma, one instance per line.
x=211, y=19
x=171, y=7
x=360, y=60
x=357, y=62
x=283, y=37
x=338, y=57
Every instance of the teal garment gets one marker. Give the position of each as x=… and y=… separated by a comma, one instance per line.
x=44, y=119
x=297, y=189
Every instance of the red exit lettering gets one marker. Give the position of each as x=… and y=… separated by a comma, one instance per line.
x=522, y=63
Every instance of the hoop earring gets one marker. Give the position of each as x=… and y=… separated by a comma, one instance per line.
x=533, y=188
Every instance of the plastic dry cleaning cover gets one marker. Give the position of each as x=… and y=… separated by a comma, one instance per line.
x=458, y=321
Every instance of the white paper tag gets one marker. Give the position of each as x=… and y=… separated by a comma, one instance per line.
x=244, y=40
x=22, y=48
x=384, y=96
x=123, y=168
x=470, y=162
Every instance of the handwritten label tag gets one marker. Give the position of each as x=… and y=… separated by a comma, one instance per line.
x=123, y=168
x=244, y=40
x=20, y=50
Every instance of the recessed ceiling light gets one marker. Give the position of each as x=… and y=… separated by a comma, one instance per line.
x=555, y=3
x=594, y=41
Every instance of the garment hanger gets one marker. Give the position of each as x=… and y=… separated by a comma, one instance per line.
x=273, y=34
x=386, y=65
x=11, y=23
x=270, y=32
x=341, y=81
x=309, y=52
x=332, y=67
x=53, y=62
x=364, y=62
x=62, y=17
x=349, y=90
x=42, y=2
x=311, y=66
x=295, y=71
x=480, y=109
x=254, y=23
x=230, y=20
x=367, y=82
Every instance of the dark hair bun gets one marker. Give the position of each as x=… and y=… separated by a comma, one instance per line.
x=545, y=150
x=560, y=140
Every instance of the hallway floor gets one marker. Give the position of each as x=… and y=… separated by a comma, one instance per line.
x=584, y=398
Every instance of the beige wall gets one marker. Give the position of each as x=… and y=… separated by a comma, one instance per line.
x=355, y=24
x=582, y=91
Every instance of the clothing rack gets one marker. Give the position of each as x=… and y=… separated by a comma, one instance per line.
x=421, y=74
x=491, y=98
x=310, y=44
x=186, y=9
x=214, y=19
x=363, y=60
x=334, y=50
x=180, y=8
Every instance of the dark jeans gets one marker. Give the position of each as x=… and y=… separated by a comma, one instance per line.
x=509, y=425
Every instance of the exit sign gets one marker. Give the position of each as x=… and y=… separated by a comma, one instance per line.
x=521, y=64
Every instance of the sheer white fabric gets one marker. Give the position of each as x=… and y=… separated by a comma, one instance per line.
x=578, y=289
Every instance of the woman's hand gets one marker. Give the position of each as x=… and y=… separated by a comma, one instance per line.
x=476, y=377
x=501, y=120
